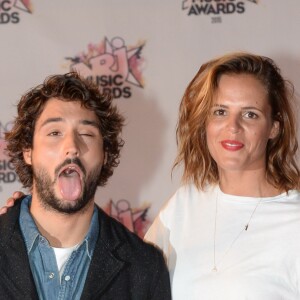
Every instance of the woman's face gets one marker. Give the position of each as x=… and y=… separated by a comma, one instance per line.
x=240, y=124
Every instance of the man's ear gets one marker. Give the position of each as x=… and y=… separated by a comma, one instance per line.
x=105, y=158
x=275, y=130
x=27, y=156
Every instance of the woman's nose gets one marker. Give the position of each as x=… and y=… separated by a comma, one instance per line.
x=233, y=124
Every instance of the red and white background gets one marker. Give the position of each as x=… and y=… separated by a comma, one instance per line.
x=145, y=53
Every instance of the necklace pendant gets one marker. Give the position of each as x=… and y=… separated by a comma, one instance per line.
x=214, y=269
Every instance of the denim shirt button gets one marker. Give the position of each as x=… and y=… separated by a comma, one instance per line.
x=51, y=275
x=67, y=278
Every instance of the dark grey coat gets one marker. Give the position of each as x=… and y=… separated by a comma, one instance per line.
x=122, y=267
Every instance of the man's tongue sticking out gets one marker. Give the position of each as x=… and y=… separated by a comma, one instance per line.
x=69, y=183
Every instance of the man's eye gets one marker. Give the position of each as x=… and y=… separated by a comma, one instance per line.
x=54, y=133
x=86, y=134
x=250, y=115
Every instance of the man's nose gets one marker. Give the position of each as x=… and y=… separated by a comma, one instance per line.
x=71, y=145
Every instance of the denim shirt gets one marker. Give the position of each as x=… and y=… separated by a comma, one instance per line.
x=43, y=261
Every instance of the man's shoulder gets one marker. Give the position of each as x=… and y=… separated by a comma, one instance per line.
x=12, y=213
x=113, y=232
x=9, y=222
x=128, y=267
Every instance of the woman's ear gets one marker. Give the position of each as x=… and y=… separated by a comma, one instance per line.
x=275, y=130
x=27, y=156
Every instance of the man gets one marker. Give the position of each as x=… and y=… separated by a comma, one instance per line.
x=56, y=243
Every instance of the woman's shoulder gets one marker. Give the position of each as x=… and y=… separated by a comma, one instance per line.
x=292, y=196
x=188, y=197
x=191, y=191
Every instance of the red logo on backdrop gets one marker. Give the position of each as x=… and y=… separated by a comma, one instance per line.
x=113, y=65
x=10, y=10
x=215, y=8
x=135, y=219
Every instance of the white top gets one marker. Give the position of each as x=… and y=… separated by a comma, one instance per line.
x=62, y=255
x=262, y=264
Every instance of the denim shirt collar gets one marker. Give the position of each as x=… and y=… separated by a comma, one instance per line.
x=30, y=231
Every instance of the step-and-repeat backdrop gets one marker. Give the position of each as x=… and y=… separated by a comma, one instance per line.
x=145, y=53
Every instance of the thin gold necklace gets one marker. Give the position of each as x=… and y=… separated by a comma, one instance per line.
x=245, y=228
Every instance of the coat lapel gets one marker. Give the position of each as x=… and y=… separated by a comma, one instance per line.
x=105, y=266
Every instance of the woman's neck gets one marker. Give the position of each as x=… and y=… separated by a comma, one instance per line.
x=251, y=183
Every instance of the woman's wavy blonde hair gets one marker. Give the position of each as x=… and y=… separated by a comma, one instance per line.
x=199, y=167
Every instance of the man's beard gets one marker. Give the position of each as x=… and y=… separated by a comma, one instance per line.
x=46, y=194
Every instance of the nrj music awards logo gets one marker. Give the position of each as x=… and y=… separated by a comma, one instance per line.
x=215, y=8
x=113, y=65
x=135, y=219
x=7, y=171
x=10, y=10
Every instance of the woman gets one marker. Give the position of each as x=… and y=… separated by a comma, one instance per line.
x=232, y=231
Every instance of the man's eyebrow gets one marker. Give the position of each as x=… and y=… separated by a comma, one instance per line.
x=59, y=119
x=51, y=120
x=89, y=122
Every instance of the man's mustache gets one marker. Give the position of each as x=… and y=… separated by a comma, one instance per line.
x=68, y=161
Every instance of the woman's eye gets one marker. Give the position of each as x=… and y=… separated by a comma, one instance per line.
x=219, y=112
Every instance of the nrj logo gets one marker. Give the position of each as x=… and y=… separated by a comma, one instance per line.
x=10, y=10
x=214, y=7
x=113, y=65
x=134, y=219
x=7, y=171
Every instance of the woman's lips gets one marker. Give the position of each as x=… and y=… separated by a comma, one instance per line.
x=232, y=145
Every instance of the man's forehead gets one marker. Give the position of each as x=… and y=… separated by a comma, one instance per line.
x=58, y=110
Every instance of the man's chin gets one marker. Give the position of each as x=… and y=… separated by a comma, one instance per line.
x=66, y=206
x=68, y=201
x=60, y=197
x=52, y=197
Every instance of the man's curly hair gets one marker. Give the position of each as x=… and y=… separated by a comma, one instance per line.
x=67, y=87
